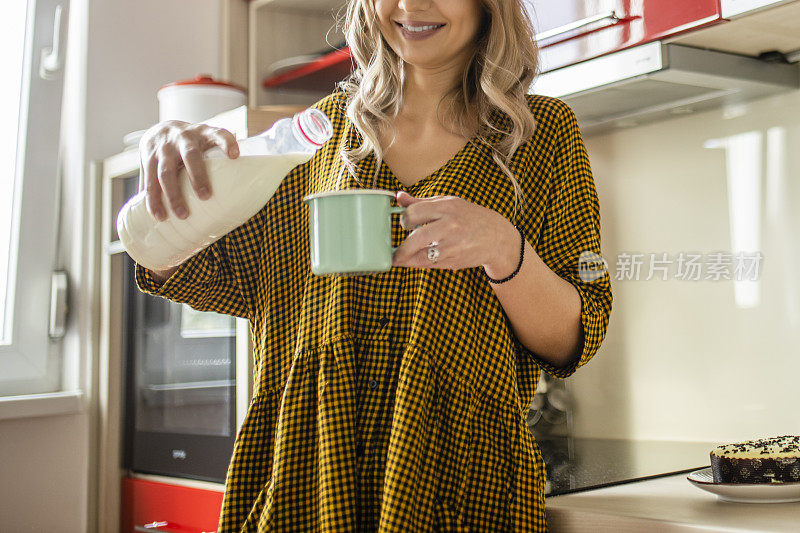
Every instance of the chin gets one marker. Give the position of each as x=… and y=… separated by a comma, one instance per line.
x=422, y=60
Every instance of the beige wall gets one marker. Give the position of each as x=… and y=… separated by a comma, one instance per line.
x=43, y=480
x=683, y=359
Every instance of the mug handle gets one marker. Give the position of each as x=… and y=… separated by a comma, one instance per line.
x=396, y=210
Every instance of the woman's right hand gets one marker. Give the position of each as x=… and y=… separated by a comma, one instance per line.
x=167, y=146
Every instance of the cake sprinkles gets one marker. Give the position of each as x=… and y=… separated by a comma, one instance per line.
x=770, y=460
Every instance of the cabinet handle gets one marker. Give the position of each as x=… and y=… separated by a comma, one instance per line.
x=566, y=28
x=155, y=527
x=151, y=527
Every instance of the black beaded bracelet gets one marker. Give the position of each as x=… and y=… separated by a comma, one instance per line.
x=521, y=254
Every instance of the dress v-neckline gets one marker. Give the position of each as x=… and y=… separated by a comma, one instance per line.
x=396, y=181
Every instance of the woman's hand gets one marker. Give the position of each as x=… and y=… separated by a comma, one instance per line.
x=469, y=235
x=166, y=147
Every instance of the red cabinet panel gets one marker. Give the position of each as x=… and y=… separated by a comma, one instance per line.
x=152, y=506
x=570, y=31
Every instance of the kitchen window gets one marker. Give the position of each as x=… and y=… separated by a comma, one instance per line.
x=33, y=40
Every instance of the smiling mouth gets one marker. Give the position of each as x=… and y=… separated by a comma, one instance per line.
x=419, y=29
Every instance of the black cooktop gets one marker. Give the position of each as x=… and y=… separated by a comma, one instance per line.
x=575, y=464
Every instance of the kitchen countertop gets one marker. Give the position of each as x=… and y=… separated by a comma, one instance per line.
x=665, y=504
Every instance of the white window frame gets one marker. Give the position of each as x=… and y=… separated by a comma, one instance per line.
x=31, y=363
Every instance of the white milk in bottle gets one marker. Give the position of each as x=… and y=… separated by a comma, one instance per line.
x=239, y=189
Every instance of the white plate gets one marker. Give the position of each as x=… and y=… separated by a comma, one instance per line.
x=745, y=492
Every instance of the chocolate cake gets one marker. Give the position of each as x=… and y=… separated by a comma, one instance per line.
x=771, y=460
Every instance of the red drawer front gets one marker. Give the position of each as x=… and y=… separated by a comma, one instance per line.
x=596, y=33
x=152, y=506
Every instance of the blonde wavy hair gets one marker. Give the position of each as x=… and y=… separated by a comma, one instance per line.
x=498, y=75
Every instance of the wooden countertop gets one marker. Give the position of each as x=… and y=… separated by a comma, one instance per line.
x=667, y=504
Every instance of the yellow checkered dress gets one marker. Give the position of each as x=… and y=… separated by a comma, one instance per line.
x=395, y=402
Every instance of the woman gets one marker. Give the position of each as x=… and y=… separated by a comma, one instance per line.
x=397, y=401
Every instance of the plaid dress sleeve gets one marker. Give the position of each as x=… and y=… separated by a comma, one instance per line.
x=570, y=237
x=213, y=279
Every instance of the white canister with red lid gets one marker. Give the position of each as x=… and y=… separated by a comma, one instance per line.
x=198, y=99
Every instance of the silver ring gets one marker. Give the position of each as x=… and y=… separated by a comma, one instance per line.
x=433, y=252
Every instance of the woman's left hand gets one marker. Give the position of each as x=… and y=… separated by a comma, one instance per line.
x=469, y=235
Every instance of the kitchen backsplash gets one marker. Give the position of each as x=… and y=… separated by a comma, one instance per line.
x=689, y=354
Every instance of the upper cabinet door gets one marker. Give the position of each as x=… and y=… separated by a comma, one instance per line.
x=570, y=31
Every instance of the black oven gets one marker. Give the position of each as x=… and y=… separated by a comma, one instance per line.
x=180, y=385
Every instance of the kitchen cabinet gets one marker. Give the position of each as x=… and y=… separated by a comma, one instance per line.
x=295, y=34
x=570, y=31
x=301, y=34
x=287, y=34
x=149, y=505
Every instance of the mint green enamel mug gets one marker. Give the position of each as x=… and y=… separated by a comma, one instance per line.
x=351, y=231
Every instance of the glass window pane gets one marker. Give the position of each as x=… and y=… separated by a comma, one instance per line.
x=12, y=42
